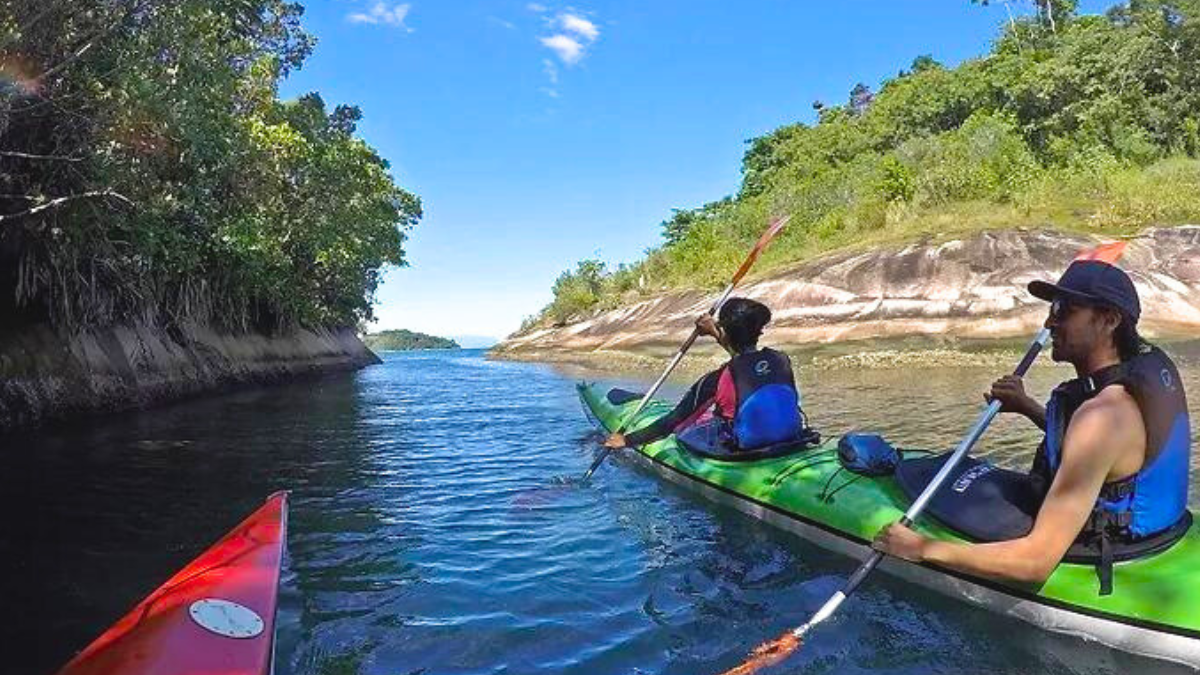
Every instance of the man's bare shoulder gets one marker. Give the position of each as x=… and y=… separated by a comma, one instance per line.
x=1108, y=423
x=1114, y=404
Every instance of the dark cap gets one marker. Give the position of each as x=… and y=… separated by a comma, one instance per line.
x=1095, y=282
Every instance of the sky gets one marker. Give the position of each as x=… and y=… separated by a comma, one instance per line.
x=541, y=133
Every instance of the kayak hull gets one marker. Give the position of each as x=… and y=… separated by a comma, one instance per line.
x=1177, y=641
x=216, y=615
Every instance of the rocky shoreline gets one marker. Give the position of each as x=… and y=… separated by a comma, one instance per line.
x=998, y=354
x=937, y=294
x=48, y=376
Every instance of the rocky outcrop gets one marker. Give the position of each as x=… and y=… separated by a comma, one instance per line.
x=973, y=287
x=45, y=375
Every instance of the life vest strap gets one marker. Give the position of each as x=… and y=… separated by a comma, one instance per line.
x=1101, y=521
x=1119, y=489
x=1104, y=569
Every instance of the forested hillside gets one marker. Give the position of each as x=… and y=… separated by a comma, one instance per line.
x=1085, y=123
x=150, y=172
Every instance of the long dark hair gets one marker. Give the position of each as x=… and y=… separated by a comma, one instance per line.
x=1129, y=344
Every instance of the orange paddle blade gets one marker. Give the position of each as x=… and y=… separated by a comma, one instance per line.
x=774, y=229
x=1109, y=253
x=767, y=654
x=776, y=226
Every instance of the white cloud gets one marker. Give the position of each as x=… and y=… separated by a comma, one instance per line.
x=580, y=26
x=507, y=24
x=567, y=48
x=572, y=37
x=381, y=14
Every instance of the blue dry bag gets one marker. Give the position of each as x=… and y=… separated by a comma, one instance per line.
x=867, y=454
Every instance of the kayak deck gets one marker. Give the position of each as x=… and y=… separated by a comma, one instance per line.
x=232, y=587
x=1154, y=609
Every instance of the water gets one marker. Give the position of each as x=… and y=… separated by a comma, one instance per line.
x=415, y=546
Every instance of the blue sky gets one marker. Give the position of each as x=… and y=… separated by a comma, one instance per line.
x=540, y=133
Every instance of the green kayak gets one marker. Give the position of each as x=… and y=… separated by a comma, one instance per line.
x=1154, y=610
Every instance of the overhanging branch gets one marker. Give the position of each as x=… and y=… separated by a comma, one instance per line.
x=59, y=201
x=26, y=155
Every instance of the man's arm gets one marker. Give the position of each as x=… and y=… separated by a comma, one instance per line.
x=1101, y=429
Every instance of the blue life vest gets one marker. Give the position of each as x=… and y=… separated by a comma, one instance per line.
x=757, y=394
x=1155, y=498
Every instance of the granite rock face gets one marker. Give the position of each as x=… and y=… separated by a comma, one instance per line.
x=973, y=287
x=46, y=375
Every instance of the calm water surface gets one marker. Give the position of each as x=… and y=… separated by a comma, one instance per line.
x=416, y=546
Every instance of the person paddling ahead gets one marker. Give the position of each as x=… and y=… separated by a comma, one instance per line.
x=754, y=393
x=1113, y=468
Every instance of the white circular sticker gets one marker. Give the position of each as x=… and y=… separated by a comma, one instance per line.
x=226, y=618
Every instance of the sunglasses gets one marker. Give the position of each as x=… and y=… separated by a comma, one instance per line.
x=1060, y=308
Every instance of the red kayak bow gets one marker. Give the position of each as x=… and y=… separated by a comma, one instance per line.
x=217, y=615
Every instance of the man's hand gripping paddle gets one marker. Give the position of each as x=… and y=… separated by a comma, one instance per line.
x=775, y=651
x=772, y=230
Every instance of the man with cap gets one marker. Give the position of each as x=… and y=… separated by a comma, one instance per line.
x=1113, y=468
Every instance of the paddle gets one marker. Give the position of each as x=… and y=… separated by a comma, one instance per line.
x=772, y=230
x=775, y=651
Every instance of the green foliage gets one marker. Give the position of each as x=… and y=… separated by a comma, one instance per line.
x=921, y=64
x=677, y=227
x=171, y=184
x=406, y=340
x=1080, y=122
x=1166, y=192
x=897, y=183
x=985, y=158
x=578, y=291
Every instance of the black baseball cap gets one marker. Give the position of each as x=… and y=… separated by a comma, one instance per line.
x=1094, y=282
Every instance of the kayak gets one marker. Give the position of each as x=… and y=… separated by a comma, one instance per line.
x=1153, y=611
x=217, y=615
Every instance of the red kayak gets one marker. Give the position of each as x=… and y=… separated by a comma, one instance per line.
x=217, y=615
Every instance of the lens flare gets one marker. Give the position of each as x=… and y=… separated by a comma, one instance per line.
x=20, y=73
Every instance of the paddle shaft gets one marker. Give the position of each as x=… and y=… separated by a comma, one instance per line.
x=772, y=230
x=918, y=505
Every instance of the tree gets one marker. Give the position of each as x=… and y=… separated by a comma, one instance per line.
x=150, y=171
x=578, y=290
x=860, y=98
x=681, y=222
x=1049, y=12
x=921, y=64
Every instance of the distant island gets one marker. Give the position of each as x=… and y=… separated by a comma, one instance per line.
x=400, y=340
